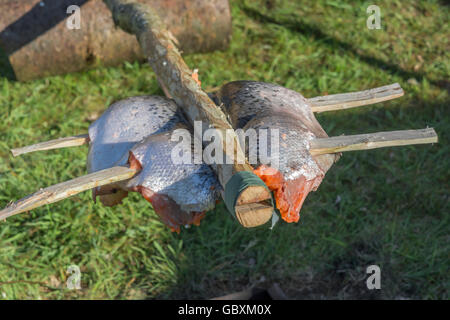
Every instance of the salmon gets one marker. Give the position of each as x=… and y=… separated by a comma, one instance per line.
x=136, y=132
x=180, y=193
x=259, y=105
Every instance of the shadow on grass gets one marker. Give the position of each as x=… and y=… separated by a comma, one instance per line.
x=305, y=28
x=6, y=69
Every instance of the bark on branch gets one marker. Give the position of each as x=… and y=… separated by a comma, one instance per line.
x=160, y=47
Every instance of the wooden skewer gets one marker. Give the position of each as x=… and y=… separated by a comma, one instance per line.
x=343, y=101
x=318, y=146
x=72, y=187
x=66, y=142
x=332, y=102
x=372, y=141
x=68, y=189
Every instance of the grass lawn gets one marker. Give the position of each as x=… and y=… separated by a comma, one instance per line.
x=388, y=207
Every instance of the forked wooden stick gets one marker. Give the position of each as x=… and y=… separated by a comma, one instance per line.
x=67, y=189
x=343, y=101
x=372, y=141
x=182, y=84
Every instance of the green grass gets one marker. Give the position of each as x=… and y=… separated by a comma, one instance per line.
x=394, y=207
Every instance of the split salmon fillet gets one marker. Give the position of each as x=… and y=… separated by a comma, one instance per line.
x=259, y=105
x=137, y=132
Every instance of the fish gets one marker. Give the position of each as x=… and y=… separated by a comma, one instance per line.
x=259, y=105
x=137, y=132
x=130, y=146
x=123, y=124
x=131, y=150
x=146, y=123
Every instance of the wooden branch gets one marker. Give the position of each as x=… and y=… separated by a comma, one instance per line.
x=245, y=214
x=68, y=189
x=66, y=142
x=372, y=141
x=355, y=99
x=159, y=46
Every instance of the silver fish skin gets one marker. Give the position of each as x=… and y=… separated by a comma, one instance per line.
x=290, y=171
x=125, y=123
x=194, y=187
x=260, y=105
x=142, y=127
